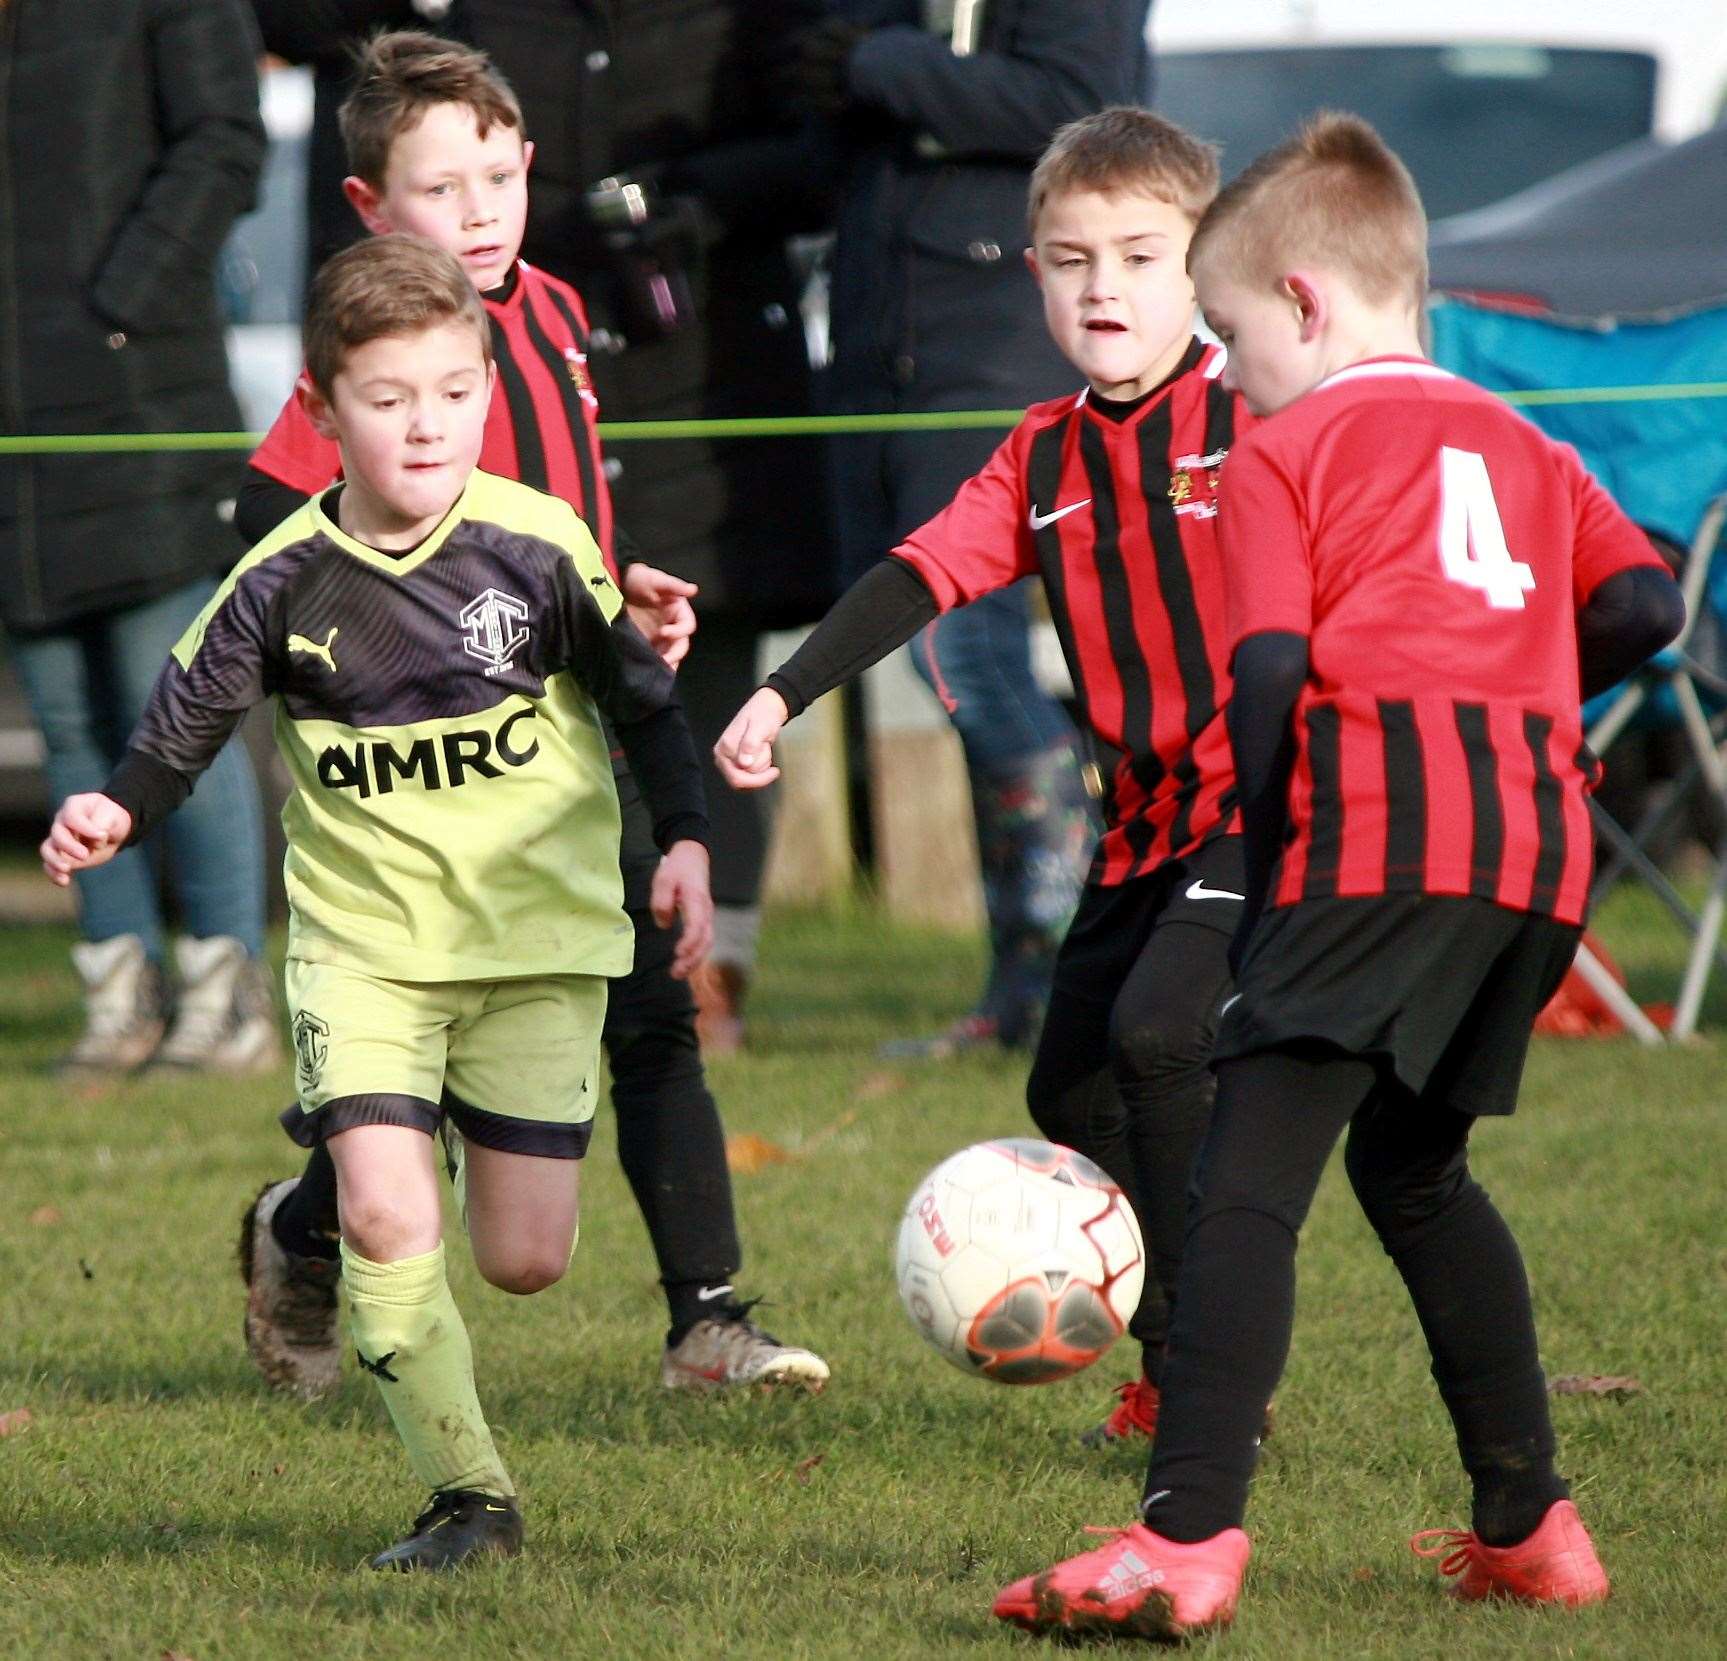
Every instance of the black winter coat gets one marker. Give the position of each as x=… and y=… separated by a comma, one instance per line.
x=668, y=90
x=662, y=89
x=933, y=308
x=131, y=142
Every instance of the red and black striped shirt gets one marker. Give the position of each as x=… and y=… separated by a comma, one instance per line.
x=1435, y=548
x=1119, y=519
x=542, y=427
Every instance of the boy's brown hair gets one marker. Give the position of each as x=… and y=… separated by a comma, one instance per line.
x=1124, y=151
x=383, y=287
x=398, y=77
x=1334, y=196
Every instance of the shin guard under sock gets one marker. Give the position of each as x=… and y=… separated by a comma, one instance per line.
x=410, y=1338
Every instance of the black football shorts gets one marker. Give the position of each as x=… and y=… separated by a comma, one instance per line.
x=1443, y=991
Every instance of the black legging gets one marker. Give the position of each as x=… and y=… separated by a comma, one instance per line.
x=1278, y=1115
x=1128, y=1083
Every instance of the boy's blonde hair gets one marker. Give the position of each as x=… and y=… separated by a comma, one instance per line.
x=401, y=75
x=386, y=286
x=1124, y=151
x=1334, y=196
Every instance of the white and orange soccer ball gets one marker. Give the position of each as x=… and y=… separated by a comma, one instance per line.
x=1019, y=1261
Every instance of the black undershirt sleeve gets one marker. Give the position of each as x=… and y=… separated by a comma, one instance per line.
x=626, y=551
x=1270, y=670
x=148, y=789
x=263, y=503
x=1625, y=622
x=882, y=610
x=639, y=696
x=662, y=758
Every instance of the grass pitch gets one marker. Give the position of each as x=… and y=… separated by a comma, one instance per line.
x=158, y=1503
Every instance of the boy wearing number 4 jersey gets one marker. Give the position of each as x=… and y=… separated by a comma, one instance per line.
x=1422, y=589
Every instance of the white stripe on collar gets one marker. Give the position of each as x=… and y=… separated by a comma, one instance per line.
x=1215, y=367
x=1420, y=368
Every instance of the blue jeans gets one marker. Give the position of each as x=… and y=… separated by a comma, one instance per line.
x=977, y=660
x=87, y=687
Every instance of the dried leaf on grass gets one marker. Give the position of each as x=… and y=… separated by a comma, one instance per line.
x=46, y=1216
x=748, y=1153
x=805, y=1467
x=18, y=1419
x=1595, y=1384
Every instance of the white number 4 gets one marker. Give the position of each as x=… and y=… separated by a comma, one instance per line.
x=1472, y=538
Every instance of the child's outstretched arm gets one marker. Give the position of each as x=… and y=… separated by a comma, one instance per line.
x=882, y=610
x=88, y=831
x=744, y=752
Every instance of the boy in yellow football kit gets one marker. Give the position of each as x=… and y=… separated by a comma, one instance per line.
x=442, y=643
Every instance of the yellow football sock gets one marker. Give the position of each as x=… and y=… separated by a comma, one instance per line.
x=411, y=1339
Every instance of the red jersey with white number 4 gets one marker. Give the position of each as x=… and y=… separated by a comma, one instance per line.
x=1119, y=519
x=1435, y=547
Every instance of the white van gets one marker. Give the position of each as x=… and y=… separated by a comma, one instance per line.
x=1480, y=97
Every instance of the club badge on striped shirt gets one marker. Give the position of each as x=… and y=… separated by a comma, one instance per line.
x=576, y=363
x=1193, y=484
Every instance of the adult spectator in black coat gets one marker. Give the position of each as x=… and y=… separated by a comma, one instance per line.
x=696, y=308
x=131, y=143
x=941, y=109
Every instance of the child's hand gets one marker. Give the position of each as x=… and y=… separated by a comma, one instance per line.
x=681, y=891
x=660, y=607
x=745, y=751
x=87, y=831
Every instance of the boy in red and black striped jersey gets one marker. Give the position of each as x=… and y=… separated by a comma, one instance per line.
x=1422, y=590
x=1110, y=495
x=434, y=137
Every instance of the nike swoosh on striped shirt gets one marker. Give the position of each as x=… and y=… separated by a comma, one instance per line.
x=1039, y=520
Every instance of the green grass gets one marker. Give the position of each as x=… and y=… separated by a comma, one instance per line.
x=160, y=1501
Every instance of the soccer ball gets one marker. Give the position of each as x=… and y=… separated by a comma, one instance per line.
x=1019, y=1261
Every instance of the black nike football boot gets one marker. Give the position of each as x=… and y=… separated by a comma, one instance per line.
x=459, y=1523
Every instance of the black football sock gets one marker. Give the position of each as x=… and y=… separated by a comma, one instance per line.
x=695, y=1300
x=305, y=1223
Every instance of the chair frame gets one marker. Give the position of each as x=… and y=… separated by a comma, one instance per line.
x=1681, y=674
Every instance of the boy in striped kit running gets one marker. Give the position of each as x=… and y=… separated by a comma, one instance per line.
x=1109, y=494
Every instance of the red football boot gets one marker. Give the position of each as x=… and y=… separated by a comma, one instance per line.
x=1134, y=1414
x=1556, y=1564
x=1139, y=1585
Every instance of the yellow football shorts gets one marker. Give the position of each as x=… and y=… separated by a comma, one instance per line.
x=514, y=1063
